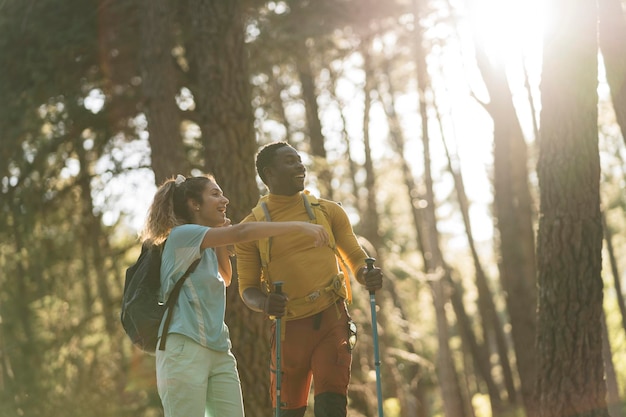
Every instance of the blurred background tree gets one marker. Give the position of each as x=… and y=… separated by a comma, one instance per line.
x=420, y=116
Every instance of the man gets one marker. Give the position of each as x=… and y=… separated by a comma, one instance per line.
x=315, y=321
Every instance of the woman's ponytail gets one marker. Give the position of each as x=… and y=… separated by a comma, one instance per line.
x=169, y=207
x=161, y=218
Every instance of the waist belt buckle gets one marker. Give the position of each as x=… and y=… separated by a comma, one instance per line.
x=313, y=296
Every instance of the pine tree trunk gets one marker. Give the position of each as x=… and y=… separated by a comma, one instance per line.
x=492, y=327
x=226, y=121
x=514, y=213
x=427, y=239
x=159, y=89
x=612, y=37
x=455, y=405
x=223, y=100
x=569, y=342
x=370, y=223
x=314, y=124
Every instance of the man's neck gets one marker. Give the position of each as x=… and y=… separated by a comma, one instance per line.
x=284, y=194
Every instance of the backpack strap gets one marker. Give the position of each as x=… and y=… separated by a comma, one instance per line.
x=171, y=300
x=261, y=213
x=317, y=214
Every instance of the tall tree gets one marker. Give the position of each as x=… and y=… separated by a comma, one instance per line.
x=612, y=37
x=225, y=118
x=371, y=221
x=453, y=289
x=513, y=210
x=569, y=340
x=159, y=89
x=429, y=239
x=222, y=98
x=491, y=324
x=314, y=124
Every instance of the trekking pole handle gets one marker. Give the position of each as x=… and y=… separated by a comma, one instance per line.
x=370, y=265
x=278, y=287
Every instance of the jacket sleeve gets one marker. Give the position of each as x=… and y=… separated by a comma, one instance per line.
x=345, y=239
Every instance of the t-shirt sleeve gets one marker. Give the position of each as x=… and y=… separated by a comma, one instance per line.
x=181, y=249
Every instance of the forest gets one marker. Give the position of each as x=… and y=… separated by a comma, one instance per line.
x=477, y=146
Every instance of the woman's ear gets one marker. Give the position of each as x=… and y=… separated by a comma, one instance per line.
x=193, y=205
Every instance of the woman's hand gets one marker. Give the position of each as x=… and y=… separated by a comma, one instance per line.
x=317, y=232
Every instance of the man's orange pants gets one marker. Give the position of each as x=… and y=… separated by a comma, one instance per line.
x=314, y=348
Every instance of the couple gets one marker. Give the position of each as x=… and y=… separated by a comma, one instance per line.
x=197, y=373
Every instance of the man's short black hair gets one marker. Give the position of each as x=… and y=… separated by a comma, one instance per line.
x=265, y=157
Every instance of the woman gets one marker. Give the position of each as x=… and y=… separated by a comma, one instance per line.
x=197, y=373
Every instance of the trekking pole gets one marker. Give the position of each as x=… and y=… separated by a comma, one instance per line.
x=278, y=289
x=379, y=388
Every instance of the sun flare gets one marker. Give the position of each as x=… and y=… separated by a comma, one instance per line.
x=509, y=30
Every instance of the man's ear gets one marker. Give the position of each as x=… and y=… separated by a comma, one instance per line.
x=267, y=171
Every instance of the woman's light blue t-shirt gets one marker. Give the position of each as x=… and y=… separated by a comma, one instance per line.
x=200, y=309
